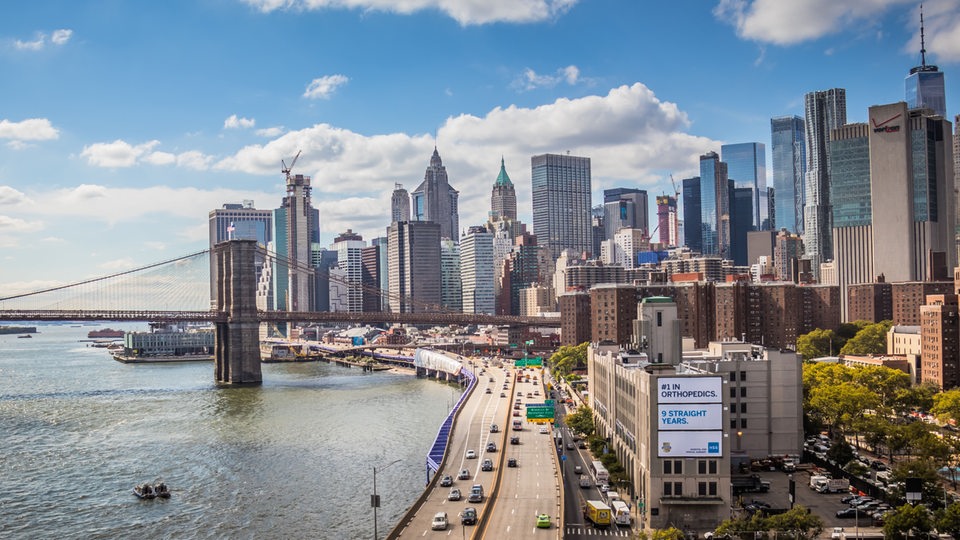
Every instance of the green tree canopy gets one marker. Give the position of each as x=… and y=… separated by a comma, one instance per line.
x=817, y=343
x=907, y=519
x=568, y=358
x=946, y=405
x=581, y=421
x=838, y=405
x=871, y=339
x=947, y=520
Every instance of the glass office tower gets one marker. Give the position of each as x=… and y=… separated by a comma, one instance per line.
x=788, y=157
x=747, y=167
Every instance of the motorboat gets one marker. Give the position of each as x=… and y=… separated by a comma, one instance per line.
x=145, y=491
x=161, y=490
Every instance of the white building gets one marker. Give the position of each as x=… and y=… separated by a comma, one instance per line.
x=349, y=247
x=451, y=288
x=477, y=271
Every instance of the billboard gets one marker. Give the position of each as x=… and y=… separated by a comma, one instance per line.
x=690, y=443
x=689, y=390
x=687, y=416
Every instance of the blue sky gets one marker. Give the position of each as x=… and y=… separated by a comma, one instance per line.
x=122, y=124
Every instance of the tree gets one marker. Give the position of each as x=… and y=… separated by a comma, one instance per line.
x=947, y=520
x=907, y=519
x=840, y=452
x=838, y=405
x=946, y=405
x=671, y=533
x=817, y=343
x=918, y=397
x=871, y=339
x=796, y=519
x=582, y=421
x=568, y=358
x=922, y=469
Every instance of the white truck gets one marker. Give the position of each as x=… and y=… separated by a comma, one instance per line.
x=621, y=513
x=825, y=484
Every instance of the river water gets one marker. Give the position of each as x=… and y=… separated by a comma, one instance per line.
x=292, y=458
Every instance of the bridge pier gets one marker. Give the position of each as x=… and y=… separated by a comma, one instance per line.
x=237, y=340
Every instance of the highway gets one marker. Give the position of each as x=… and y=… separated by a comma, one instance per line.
x=533, y=487
x=471, y=432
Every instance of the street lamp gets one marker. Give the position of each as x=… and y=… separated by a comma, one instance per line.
x=375, y=499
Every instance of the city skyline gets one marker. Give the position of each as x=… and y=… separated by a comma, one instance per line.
x=123, y=126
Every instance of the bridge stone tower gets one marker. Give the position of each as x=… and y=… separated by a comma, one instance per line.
x=237, y=357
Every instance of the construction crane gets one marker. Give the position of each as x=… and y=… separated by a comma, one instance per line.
x=286, y=170
x=676, y=190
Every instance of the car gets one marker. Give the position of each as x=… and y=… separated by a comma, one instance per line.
x=570, y=446
x=471, y=454
x=543, y=521
x=491, y=379
x=581, y=444
x=454, y=495
x=494, y=428
x=604, y=488
x=512, y=462
x=529, y=395
x=488, y=391
x=516, y=406
x=468, y=516
x=439, y=521
x=577, y=469
x=846, y=499
x=516, y=413
x=847, y=513
x=837, y=533
x=544, y=429
x=463, y=474
x=476, y=494
x=502, y=394
x=446, y=480
x=491, y=446
x=514, y=440
x=519, y=394
x=487, y=465
x=536, y=392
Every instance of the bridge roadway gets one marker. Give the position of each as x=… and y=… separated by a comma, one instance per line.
x=531, y=488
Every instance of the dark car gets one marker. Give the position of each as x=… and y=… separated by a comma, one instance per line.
x=446, y=481
x=512, y=462
x=464, y=474
x=491, y=446
x=487, y=465
x=581, y=444
x=570, y=446
x=468, y=516
x=847, y=513
x=514, y=440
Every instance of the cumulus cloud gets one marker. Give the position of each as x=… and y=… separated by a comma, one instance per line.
x=31, y=129
x=10, y=224
x=121, y=154
x=11, y=196
x=788, y=23
x=323, y=87
x=530, y=79
x=234, y=122
x=629, y=133
x=269, y=132
x=942, y=21
x=465, y=12
x=58, y=37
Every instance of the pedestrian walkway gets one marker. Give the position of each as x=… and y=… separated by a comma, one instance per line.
x=611, y=532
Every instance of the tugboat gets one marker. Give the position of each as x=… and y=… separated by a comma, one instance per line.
x=145, y=491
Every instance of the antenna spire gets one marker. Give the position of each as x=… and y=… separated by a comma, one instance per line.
x=923, y=48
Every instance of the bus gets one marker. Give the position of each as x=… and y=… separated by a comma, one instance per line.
x=600, y=472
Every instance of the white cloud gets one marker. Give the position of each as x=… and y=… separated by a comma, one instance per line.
x=11, y=196
x=61, y=36
x=10, y=224
x=788, y=22
x=323, y=87
x=942, y=21
x=58, y=37
x=465, y=12
x=31, y=129
x=274, y=131
x=119, y=153
x=234, y=122
x=530, y=79
x=118, y=265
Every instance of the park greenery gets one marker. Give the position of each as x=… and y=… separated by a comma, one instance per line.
x=856, y=338
x=797, y=522
x=567, y=358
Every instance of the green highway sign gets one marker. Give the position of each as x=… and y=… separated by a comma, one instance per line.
x=540, y=412
x=550, y=402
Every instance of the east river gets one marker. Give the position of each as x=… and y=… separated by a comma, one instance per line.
x=292, y=458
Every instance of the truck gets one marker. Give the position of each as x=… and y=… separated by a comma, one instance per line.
x=597, y=513
x=833, y=485
x=749, y=484
x=621, y=512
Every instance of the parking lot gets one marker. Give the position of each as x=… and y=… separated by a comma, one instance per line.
x=822, y=504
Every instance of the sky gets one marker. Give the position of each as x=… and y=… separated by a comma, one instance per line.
x=124, y=123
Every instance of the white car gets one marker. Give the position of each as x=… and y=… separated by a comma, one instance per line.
x=439, y=522
x=471, y=454
x=544, y=429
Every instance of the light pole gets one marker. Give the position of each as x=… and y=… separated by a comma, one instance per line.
x=375, y=499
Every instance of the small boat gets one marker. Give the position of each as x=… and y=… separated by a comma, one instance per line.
x=161, y=490
x=25, y=336
x=144, y=491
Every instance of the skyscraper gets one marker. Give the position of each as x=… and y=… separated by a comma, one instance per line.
x=789, y=163
x=747, y=167
x=476, y=268
x=301, y=229
x=741, y=218
x=414, y=266
x=825, y=110
x=503, y=200
x=349, y=247
x=239, y=221
x=692, y=225
x=667, y=221
x=714, y=206
x=924, y=85
x=561, y=203
x=399, y=204
x=624, y=208
x=434, y=200
x=451, y=286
